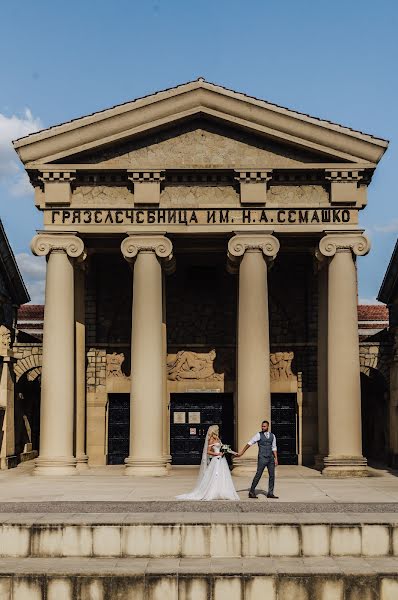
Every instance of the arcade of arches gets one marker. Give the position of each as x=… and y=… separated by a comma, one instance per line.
x=201, y=267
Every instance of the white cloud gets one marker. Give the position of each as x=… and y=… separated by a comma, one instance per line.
x=33, y=269
x=11, y=172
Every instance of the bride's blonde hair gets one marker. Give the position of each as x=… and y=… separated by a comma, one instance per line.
x=214, y=431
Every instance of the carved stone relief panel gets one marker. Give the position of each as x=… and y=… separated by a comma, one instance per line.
x=192, y=365
x=5, y=340
x=114, y=363
x=281, y=366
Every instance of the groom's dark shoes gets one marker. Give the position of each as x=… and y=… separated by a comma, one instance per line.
x=252, y=495
x=272, y=496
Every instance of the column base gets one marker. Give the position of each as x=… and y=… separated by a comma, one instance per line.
x=244, y=466
x=345, y=466
x=149, y=467
x=61, y=465
x=82, y=462
x=320, y=461
x=167, y=459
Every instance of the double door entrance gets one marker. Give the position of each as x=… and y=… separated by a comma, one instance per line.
x=190, y=417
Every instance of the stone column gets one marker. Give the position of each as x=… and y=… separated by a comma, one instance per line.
x=147, y=354
x=253, y=252
x=322, y=387
x=344, y=391
x=80, y=376
x=57, y=384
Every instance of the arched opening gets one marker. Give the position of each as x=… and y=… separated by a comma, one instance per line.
x=374, y=401
x=27, y=414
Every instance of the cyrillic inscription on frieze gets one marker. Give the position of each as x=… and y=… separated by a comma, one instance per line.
x=200, y=216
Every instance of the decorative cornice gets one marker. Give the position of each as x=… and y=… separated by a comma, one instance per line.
x=348, y=176
x=241, y=243
x=44, y=243
x=253, y=176
x=357, y=243
x=146, y=176
x=159, y=244
x=57, y=176
x=146, y=184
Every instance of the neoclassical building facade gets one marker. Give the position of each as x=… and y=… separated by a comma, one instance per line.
x=201, y=254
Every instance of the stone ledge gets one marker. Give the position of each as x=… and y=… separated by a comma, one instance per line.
x=179, y=579
x=261, y=507
x=104, y=536
x=173, y=518
x=198, y=566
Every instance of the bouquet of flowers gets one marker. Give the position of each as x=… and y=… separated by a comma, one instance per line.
x=227, y=449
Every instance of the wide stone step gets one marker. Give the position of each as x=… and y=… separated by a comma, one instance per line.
x=325, y=578
x=198, y=536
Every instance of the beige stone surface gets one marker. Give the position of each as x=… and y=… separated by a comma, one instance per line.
x=293, y=484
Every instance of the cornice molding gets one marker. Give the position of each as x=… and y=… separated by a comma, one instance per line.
x=44, y=243
x=253, y=176
x=57, y=176
x=157, y=243
x=357, y=243
x=165, y=108
x=146, y=175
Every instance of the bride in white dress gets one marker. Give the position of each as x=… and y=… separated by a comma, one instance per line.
x=214, y=481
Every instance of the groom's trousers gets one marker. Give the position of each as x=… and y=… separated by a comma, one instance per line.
x=261, y=464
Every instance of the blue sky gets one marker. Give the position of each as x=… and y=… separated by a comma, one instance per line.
x=333, y=59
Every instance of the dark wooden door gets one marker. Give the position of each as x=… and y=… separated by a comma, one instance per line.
x=118, y=428
x=190, y=417
x=284, y=426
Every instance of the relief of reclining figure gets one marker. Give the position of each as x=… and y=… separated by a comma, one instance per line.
x=192, y=365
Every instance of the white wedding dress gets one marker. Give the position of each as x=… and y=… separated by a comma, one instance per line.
x=214, y=481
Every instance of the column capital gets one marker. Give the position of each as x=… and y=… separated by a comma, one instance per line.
x=43, y=243
x=157, y=243
x=333, y=242
x=266, y=243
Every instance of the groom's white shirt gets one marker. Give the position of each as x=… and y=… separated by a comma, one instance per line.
x=256, y=438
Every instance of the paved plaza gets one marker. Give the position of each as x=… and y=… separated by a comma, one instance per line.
x=108, y=485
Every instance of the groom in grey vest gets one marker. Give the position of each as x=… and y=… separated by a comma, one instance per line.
x=267, y=457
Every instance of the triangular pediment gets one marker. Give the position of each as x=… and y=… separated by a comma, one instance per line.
x=198, y=144
x=130, y=123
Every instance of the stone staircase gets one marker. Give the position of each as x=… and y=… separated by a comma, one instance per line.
x=198, y=556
